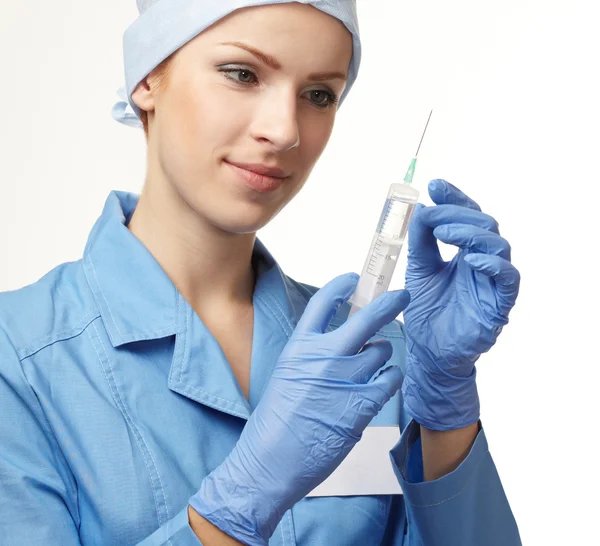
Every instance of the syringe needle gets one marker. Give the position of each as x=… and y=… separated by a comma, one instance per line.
x=424, y=131
x=408, y=177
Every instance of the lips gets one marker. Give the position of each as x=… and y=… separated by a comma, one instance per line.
x=260, y=183
x=261, y=169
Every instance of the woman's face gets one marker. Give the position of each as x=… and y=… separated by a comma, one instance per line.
x=224, y=104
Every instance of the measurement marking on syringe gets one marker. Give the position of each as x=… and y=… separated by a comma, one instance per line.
x=390, y=237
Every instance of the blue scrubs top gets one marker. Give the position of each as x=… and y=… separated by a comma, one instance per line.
x=116, y=401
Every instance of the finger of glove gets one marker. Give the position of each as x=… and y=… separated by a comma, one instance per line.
x=369, y=360
x=423, y=251
x=473, y=238
x=364, y=324
x=506, y=277
x=455, y=214
x=444, y=193
x=323, y=305
x=384, y=385
x=372, y=396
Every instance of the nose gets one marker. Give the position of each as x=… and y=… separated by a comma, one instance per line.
x=275, y=121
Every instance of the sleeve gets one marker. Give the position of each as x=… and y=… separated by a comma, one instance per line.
x=38, y=498
x=38, y=494
x=176, y=532
x=467, y=507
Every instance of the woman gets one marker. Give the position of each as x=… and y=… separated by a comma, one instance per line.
x=175, y=387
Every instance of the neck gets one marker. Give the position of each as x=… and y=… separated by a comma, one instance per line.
x=210, y=267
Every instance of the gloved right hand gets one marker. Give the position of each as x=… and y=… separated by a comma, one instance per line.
x=325, y=389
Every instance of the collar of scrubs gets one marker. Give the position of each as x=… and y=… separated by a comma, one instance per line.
x=139, y=302
x=137, y=299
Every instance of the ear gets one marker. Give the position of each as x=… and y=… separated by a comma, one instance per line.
x=143, y=96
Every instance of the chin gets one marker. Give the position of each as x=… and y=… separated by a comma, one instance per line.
x=241, y=223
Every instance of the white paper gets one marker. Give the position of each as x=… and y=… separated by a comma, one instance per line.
x=367, y=469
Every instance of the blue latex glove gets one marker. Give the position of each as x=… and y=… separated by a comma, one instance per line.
x=322, y=394
x=457, y=309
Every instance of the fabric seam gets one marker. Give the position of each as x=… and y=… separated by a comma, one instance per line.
x=137, y=433
x=31, y=348
x=46, y=424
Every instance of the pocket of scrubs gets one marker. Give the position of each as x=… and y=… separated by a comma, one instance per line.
x=367, y=469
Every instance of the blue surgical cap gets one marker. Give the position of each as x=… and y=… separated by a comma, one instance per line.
x=164, y=26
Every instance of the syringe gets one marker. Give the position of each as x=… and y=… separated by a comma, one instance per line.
x=388, y=239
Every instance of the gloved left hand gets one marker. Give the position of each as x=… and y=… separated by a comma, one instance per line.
x=457, y=309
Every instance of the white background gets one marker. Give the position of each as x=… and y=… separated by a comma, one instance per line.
x=515, y=91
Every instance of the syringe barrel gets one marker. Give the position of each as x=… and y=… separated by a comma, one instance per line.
x=386, y=245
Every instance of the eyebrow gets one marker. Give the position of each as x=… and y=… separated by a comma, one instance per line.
x=273, y=63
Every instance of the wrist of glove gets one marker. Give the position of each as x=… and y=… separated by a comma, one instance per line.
x=440, y=394
x=325, y=389
x=237, y=504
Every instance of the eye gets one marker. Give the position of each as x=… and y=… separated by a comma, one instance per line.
x=320, y=98
x=323, y=99
x=245, y=76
